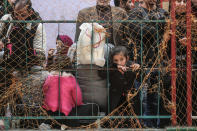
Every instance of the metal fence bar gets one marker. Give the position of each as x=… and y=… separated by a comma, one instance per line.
x=159, y=74
x=83, y=117
x=5, y=3
x=189, y=66
x=173, y=66
x=141, y=79
x=74, y=21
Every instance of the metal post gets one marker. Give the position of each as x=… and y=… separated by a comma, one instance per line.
x=5, y=3
x=173, y=58
x=189, y=71
x=161, y=3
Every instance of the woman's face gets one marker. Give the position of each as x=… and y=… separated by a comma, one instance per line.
x=103, y=2
x=59, y=44
x=180, y=6
x=119, y=59
x=61, y=47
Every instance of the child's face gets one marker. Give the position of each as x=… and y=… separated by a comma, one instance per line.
x=120, y=59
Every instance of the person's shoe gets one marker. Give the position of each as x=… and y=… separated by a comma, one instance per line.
x=64, y=127
x=44, y=126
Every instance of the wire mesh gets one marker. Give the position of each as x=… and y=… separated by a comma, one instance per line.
x=26, y=76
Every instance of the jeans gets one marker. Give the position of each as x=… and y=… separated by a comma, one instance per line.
x=150, y=101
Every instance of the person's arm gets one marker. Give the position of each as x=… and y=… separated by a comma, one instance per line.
x=1, y=56
x=50, y=57
x=4, y=27
x=39, y=42
x=133, y=71
x=80, y=19
x=49, y=61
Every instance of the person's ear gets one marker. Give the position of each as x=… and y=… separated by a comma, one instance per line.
x=127, y=58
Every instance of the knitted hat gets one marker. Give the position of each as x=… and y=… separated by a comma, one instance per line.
x=65, y=39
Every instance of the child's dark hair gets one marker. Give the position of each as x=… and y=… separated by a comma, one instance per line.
x=119, y=49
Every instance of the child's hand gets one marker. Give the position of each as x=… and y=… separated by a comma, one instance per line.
x=183, y=41
x=129, y=97
x=167, y=35
x=51, y=52
x=122, y=69
x=135, y=67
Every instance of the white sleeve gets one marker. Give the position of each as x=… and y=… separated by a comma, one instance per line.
x=71, y=51
x=39, y=42
x=2, y=24
x=1, y=56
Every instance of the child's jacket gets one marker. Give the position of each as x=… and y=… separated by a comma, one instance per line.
x=120, y=85
x=70, y=93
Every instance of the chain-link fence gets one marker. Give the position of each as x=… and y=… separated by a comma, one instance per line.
x=95, y=81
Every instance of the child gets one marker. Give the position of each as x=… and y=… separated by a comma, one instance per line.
x=70, y=92
x=122, y=79
x=62, y=93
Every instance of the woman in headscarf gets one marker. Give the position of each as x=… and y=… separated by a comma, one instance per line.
x=63, y=42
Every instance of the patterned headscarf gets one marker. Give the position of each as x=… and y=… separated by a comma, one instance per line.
x=67, y=42
x=65, y=39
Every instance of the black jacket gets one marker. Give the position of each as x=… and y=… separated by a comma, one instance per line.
x=145, y=36
x=120, y=85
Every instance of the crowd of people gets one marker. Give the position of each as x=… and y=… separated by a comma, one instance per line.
x=123, y=50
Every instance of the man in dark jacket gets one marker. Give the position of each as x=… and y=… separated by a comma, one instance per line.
x=144, y=40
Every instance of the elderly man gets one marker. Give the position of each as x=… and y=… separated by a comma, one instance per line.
x=103, y=12
x=24, y=54
x=24, y=43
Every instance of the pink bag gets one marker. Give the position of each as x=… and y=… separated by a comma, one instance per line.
x=70, y=93
x=9, y=46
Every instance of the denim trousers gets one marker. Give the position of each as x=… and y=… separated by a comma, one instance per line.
x=149, y=99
